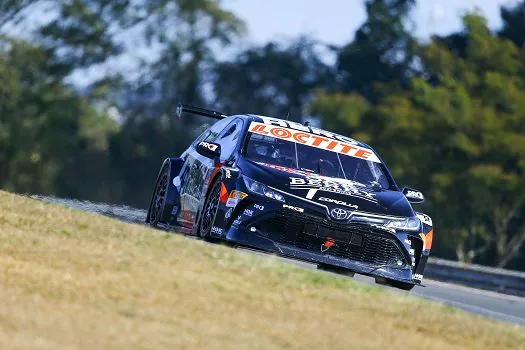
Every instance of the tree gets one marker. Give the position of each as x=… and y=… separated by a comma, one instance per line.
x=382, y=50
x=46, y=129
x=12, y=12
x=181, y=34
x=274, y=80
x=86, y=35
x=185, y=33
x=514, y=23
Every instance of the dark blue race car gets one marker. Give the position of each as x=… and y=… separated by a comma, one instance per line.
x=298, y=191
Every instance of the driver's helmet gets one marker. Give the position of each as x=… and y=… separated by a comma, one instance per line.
x=260, y=145
x=284, y=153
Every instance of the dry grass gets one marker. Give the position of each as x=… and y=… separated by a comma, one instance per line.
x=77, y=280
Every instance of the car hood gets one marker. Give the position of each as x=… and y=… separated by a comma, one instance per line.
x=328, y=191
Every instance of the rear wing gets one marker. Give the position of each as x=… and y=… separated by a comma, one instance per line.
x=199, y=111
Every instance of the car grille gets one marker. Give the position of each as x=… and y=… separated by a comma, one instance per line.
x=357, y=242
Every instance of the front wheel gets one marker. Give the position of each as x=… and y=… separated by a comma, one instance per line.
x=394, y=283
x=209, y=211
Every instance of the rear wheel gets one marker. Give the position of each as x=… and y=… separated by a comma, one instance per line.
x=394, y=283
x=209, y=211
x=158, y=202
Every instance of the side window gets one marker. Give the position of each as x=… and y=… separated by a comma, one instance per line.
x=229, y=139
x=216, y=129
x=202, y=136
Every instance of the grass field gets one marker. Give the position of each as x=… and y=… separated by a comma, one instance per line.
x=71, y=280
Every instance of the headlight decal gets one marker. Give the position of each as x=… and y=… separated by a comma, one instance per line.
x=407, y=224
x=402, y=224
x=262, y=190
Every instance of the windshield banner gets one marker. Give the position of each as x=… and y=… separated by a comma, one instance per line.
x=312, y=140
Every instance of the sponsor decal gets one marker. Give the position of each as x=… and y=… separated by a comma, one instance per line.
x=424, y=219
x=327, y=141
x=238, y=194
x=408, y=241
x=228, y=173
x=285, y=169
x=212, y=147
x=234, y=198
x=414, y=194
x=418, y=277
x=340, y=214
x=411, y=251
x=329, y=243
x=232, y=202
x=335, y=201
x=297, y=209
x=216, y=230
x=248, y=212
x=308, y=129
x=237, y=222
x=228, y=213
x=314, y=183
x=259, y=207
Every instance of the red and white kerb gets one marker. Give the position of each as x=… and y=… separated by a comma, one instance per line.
x=313, y=141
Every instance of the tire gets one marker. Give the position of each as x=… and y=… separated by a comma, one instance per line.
x=394, y=283
x=158, y=202
x=209, y=211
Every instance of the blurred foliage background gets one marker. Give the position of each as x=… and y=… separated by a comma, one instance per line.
x=447, y=115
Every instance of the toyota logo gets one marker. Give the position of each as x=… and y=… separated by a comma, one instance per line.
x=339, y=214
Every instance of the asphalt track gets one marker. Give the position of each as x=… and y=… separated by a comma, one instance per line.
x=500, y=306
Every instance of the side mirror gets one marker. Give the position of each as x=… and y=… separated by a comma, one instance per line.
x=209, y=149
x=413, y=196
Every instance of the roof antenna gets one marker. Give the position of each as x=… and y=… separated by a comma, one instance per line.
x=287, y=116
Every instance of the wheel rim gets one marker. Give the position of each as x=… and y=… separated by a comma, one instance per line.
x=212, y=206
x=159, y=199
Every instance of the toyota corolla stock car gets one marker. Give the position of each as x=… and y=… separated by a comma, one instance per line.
x=297, y=191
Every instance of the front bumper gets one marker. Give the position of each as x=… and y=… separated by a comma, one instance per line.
x=302, y=229
x=374, y=253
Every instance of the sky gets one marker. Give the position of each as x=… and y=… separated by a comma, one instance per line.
x=335, y=21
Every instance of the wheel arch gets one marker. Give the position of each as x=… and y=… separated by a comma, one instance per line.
x=213, y=178
x=174, y=166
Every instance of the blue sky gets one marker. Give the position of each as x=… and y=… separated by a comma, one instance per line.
x=335, y=21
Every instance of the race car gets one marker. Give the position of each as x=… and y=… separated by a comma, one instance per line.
x=298, y=191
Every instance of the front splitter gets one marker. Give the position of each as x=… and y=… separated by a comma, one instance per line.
x=253, y=240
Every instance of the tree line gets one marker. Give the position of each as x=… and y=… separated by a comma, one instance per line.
x=447, y=114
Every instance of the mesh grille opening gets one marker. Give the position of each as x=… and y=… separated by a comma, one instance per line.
x=356, y=242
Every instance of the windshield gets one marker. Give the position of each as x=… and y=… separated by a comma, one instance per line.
x=275, y=151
